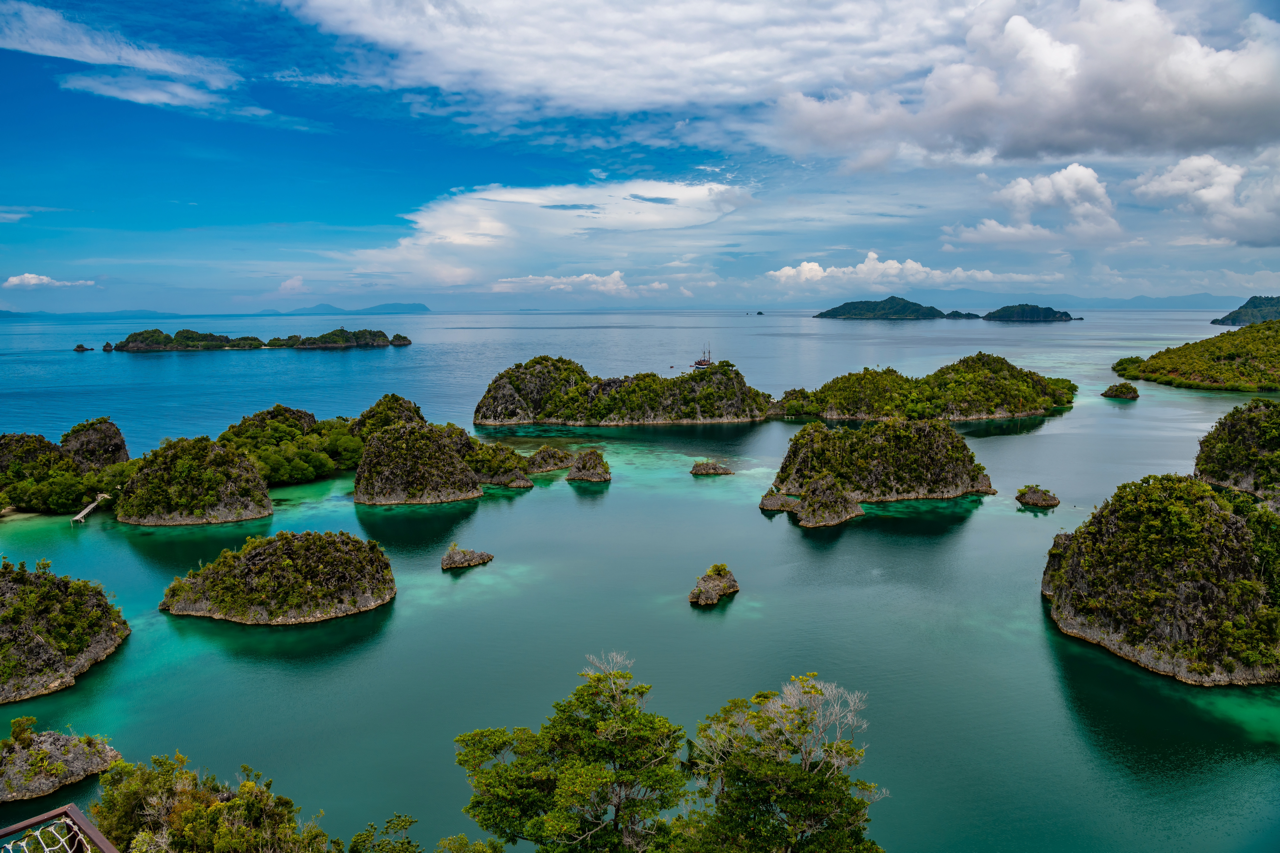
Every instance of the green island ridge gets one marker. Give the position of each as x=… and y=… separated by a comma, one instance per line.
x=977, y=387
x=33, y=764
x=1242, y=451
x=828, y=472
x=287, y=579
x=51, y=630
x=890, y=308
x=1176, y=578
x=193, y=481
x=37, y=475
x=546, y=390
x=155, y=340
x=1258, y=309
x=291, y=446
x=1247, y=359
x=1028, y=314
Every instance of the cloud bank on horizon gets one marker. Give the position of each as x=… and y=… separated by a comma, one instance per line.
x=662, y=152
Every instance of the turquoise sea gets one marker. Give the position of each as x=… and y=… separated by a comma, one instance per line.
x=991, y=730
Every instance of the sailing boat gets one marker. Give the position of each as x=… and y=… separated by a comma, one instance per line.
x=704, y=362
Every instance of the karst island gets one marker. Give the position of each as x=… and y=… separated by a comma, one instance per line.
x=1247, y=359
x=35, y=763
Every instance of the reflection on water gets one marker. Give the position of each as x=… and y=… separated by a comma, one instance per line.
x=414, y=528
x=587, y=491
x=1006, y=426
x=178, y=550
x=313, y=642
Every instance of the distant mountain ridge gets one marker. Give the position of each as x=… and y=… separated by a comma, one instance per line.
x=1258, y=309
x=969, y=300
x=384, y=308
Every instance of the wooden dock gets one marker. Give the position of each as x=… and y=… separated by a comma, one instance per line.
x=90, y=508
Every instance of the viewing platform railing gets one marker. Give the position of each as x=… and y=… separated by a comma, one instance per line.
x=64, y=830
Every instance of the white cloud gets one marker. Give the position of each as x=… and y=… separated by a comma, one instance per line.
x=686, y=292
x=17, y=214
x=1201, y=240
x=30, y=280
x=293, y=287
x=142, y=90
x=885, y=276
x=1237, y=203
x=1075, y=188
x=847, y=78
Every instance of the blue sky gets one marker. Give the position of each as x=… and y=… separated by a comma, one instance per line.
x=236, y=156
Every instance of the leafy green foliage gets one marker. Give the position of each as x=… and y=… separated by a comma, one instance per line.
x=84, y=426
x=1176, y=569
x=392, y=838
x=188, y=339
x=1259, y=309
x=47, y=620
x=557, y=390
x=286, y=576
x=191, y=478
x=1243, y=449
x=289, y=446
x=1121, y=391
x=415, y=463
x=162, y=807
x=890, y=308
x=597, y=776
x=1025, y=313
x=1244, y=360
x=719, y=570
x=978, y=386
x=390, y=409
x=21, y=734
x=494, y=459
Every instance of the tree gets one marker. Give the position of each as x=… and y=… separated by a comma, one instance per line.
x=777, y=770
x=597, y=776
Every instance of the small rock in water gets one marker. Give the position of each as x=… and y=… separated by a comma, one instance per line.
x=590, y=465
x=1121, y=391
x=463, y=558
x=702, y=469
x=83, y=348
x=774, y=501
x=1036, y=496
x=718, y=581
x=39, y=763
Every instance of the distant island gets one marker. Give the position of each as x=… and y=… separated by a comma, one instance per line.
x=1247, y=359
x=897, y=308
x=155, y=340
x=1028, y=314
x=1259, y=309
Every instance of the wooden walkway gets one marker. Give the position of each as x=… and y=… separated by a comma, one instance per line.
x=90, y=508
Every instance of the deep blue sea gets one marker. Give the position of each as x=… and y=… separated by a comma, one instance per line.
x=992, y=731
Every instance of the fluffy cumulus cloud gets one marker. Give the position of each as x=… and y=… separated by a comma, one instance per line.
x=27, y=281
x=293, y=286
x=1237, y=203
x=877, y=276
x=1076, y=189
x=867, y=79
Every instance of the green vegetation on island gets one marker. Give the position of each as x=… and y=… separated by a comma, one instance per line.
x=559, y=391
x=1247, y=359
x=1177, y=578
x=33, y=764
x=714, y=585
x=603, y=774
x=193, y=481
x=155, y=340
x=291, y=446
x=590, y=465
x=411, y=463
x=389, y=409
x=51, y=629
x=1242, y=451
x=976, y=387
x=832, y=471
x=1121, y=391
x=287, y=579
x=1035, y=496
x=37, y=475
x=1025, y=313
x=890, y=308
x=1259, y=309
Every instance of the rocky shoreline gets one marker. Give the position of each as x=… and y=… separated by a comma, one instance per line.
x=463, y=558
x=39, y=763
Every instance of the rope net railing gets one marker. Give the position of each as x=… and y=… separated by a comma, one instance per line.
x=64, y=830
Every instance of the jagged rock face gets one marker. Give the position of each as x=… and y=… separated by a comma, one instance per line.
x=299, y=419
x=559, y=391
x=51, y=630
x=194, y=481
x=705, y=469
x=413, y=464
x=590, y=465
x=711, y=587
x=287, y=579
x=50, y=762
x=95, y=444
x=549, y=458
x=497, y=464
x=390, y=409
x=775, y=501
x=1121, y=391
x=1176, y=578
x=23, y=448
x=1242, y=451
x=1036, y=496
x=463, y=558
x=885, y=461
x=826, y=502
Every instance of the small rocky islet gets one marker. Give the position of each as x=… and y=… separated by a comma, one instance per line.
x=1034, y=496
x=828, y=473
x=714, y=585
x=1121, y=391
x=463, y=558
x=709, y=469
x=33, y=764
x=52, y=629
x=589, y=465
x=287, y=579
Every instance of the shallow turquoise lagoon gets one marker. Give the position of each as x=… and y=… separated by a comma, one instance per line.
x=991, y=730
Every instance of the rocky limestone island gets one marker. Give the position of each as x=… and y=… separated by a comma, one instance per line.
x=977, y=387
x=51, y=630
x=1025, y=313
x=107, y=347
x=410, y=463
x=498, y=464
x=287, y=579
x=1176, y=578
x=548, y=458
x=1036, y=497
x=83, y=348
x=708, y=468
x=547, y=390
x=1242, y=451
x=95, y=444
x=717, y=582
x=827, y=473
x=1121, y=391
x=1259, y=309
x=590, y=465
x=33, y=763
x=1247, y=359
x=463, y=558
x=193, y=481
x=390, y=409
